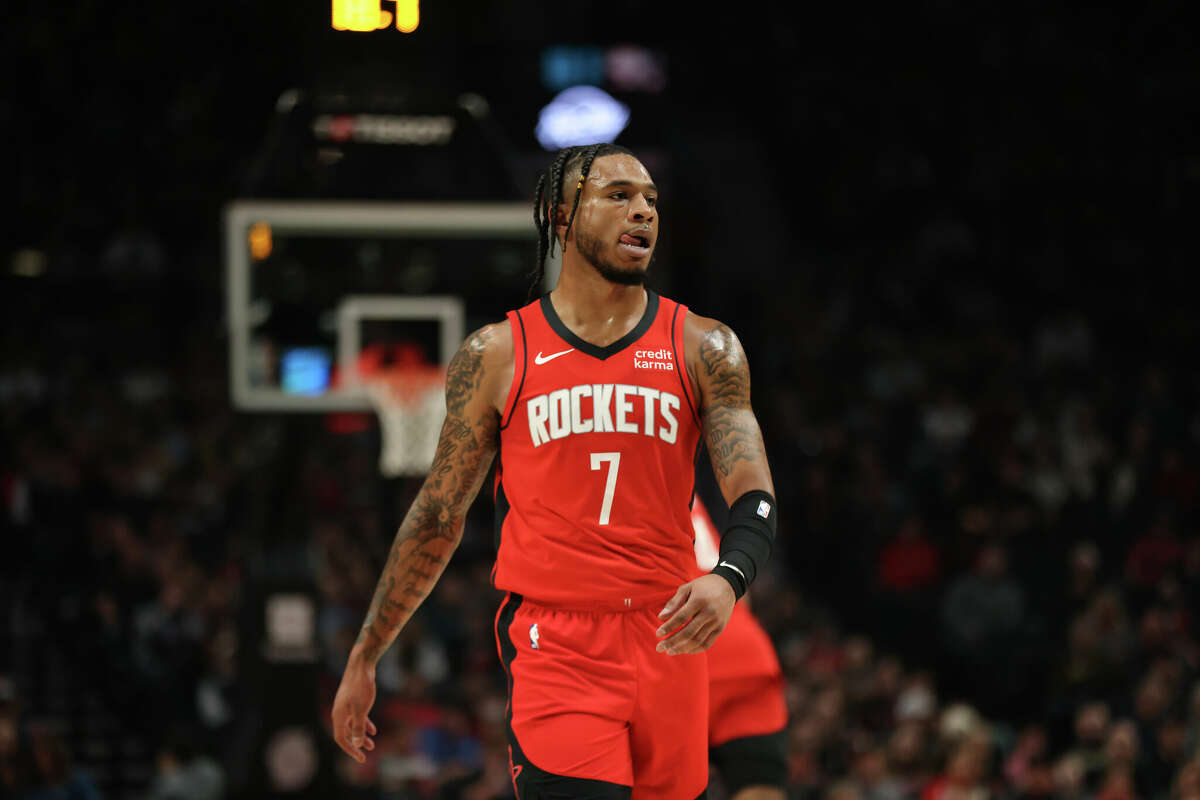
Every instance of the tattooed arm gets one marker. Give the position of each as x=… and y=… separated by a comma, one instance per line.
x=720, y=378
x=477, y=383
x=717, y=365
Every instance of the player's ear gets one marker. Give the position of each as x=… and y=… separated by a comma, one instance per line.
x=561, y=215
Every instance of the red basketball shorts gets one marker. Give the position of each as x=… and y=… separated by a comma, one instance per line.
x=745, y=682
x=589, y=698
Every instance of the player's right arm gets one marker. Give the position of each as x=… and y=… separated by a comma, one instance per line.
x=477, y=381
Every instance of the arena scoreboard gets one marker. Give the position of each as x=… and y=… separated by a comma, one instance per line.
x=370, y=15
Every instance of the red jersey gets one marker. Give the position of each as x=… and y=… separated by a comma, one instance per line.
x=597, y=462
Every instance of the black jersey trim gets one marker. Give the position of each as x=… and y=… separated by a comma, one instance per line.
x=695, y=466
x=594, y=350
x=508, y=650
x=681, y=369
x=502, y=509
x=508, y=653
x=524, y=369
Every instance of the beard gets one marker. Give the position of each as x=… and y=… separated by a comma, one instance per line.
x=590, y=247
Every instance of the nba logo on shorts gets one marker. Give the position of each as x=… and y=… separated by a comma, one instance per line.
x=533, y=636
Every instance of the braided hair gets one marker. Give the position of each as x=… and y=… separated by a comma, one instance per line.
x=549, y=193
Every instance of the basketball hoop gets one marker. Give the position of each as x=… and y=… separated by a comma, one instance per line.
x=411, y=403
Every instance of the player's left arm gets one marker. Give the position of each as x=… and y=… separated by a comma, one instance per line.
x=720, y=376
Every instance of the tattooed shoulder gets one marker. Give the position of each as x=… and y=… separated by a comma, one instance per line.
x=464, y=374
x=724, y=370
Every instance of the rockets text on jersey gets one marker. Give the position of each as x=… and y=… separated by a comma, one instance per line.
x=562, y=412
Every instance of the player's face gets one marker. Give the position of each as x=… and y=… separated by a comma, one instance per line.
x=616, y=226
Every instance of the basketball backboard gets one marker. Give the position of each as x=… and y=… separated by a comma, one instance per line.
x=310, y=285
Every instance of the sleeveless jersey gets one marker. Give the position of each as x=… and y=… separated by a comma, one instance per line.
x=597, y=462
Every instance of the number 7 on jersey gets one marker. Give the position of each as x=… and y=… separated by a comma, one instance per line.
x=610, y=483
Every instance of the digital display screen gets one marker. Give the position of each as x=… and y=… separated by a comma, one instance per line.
x=305, y=370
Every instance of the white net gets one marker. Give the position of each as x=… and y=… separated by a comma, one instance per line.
x=411, y=404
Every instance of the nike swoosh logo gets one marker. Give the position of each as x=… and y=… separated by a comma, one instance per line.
x=540, y=359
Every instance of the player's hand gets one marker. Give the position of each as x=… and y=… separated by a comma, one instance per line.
x=705, y=605
x=352, y=729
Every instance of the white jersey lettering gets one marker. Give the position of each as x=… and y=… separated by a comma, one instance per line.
x=538, y=409
x=624, y=407
x=668, y=407
x=614, y=407
x=601, y=399
x=651, y=395
x=560, y=413
x=578, y=423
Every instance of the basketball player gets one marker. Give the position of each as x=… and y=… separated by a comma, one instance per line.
x=747, y=712
x=596, y=397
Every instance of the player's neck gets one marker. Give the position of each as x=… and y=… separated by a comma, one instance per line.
x=596, y=309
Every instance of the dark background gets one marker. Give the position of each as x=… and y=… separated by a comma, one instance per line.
x=956, y=242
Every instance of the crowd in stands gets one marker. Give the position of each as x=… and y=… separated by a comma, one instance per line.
x=958, y=270
x=123, y=479
x=982, y=589
x=957, y=244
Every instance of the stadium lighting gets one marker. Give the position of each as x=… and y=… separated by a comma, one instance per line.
x=581, y=115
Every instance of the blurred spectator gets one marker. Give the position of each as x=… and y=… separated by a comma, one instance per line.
x=1026, y=768
x=451, y=743
x=1065, y=339
x=1122, y=751
x=910, y=757
x=983, y=618
x=184, y=772
x=910, y=562
x=1084, y=450
x=908, y=574
x=964, y=773
x=1046, y=482
x=1192, y=700
x=843, y=790
x=55, y=776
x=1186, y=785
x=15, y=762
x=1118, y=784
x=1128, y=491
x=34, y=762
x=948, y=421
x=1168, y=756
x=1178, y=481
x=1069, y=779
x=1153, y=554
x=874, y=778
x=1092, y=724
